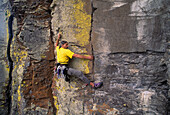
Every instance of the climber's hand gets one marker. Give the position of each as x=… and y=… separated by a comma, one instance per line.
x=59, y=36
x=90, y=57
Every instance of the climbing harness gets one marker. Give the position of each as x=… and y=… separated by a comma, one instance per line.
x=61, y=72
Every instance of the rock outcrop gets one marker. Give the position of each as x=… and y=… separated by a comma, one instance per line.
x=129, y=40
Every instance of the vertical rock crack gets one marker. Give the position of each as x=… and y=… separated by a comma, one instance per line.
x=93, y=9
x=9, y=86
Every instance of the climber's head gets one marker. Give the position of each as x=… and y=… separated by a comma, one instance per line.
x=64, y=44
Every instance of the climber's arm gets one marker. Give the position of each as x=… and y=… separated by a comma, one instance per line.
x=83, y=56
x=57, y=42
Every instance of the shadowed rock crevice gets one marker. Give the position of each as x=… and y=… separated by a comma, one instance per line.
x=90, y=39
x=9, y=86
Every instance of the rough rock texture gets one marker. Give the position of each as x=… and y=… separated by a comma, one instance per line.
x=136, y=78
x=128, y=38
x=33, y=58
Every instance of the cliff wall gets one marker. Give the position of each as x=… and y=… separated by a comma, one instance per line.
x=129, y=40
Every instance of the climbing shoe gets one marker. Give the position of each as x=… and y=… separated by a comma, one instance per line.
x=98, y=85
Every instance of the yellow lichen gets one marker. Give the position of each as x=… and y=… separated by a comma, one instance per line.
x=8, y=13
x=19, y=57
x=56, y=104
x=83, y=22
x=19, y=93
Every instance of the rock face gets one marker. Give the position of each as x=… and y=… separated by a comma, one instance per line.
x=33, y=57
x=4, y=14
x=129, y=40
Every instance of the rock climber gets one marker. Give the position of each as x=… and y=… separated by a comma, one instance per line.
x=63, y=56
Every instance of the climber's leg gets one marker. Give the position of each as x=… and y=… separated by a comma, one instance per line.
x=79, y=74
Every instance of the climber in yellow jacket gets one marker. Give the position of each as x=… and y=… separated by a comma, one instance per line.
x=63, y=56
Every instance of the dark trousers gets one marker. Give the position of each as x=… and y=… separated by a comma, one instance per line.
x=79, y=74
